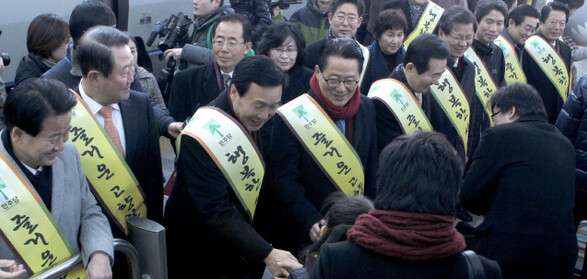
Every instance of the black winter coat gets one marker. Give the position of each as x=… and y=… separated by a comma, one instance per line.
x=208, y=230
x=536, y=77
x=522, y=179
x=493, y=58
x=377, y=68
x=30, y=67
x=298, y=181
x=347, y=259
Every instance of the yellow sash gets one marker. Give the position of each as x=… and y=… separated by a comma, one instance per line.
x=326, y=144
x=398, y=99
x=233, y=151
x=365, y=52
x=513, y=69
x=110, y=178
x=28, y=226
x=484, y=84
x=427, y=22
x=551, y=63
x=453, y=101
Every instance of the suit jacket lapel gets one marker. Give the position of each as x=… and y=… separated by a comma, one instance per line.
x=58, y=193
x=129, y=116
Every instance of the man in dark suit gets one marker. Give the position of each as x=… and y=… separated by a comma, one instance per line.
x=83, y=17
x=553, y=18
x=522, y=179
x=200, y=85
x=209, y=227
x=107, y=86
x=297, y=179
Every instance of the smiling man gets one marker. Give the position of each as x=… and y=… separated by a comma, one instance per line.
x=490, y=15
x=424, y=63
x=543, y=52
x=521, y=25
x=324, y=141
x=220, y=171
x=200, y=85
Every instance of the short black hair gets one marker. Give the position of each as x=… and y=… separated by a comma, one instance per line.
x=88, y=14
x=557, y=6
x=341, y=47
x=35, y=100
x=258, y=69
x=420, y=173
x=422, y=49
x=94, y=53
x=509, y=3
x=358, y=3
x=236, y=18
x=277, y=33
x=393, y=4
x=46, y=33
x=572, y=4
x=390, y=20
x=520, y=13
x=520, y=95
x=486, y=6
x=455, y=15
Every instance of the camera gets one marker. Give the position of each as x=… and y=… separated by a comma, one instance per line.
x=284, y=4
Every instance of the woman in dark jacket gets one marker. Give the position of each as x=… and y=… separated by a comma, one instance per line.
x=47, y=39
x=410, y=233
x=387, y=51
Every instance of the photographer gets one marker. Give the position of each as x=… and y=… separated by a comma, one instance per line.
x=200, y=52
x=206, y=14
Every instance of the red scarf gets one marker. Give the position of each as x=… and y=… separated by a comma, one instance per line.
x=407, y=235
x=346, y=112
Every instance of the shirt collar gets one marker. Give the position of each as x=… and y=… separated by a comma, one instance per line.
x=93, y=105
x=230, y=74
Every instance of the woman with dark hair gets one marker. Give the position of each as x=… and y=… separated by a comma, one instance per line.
x=410, y=233
x=284, y=43
x=47, y=39
x=387, y=51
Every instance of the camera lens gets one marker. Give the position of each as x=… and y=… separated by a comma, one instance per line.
x=5, y=58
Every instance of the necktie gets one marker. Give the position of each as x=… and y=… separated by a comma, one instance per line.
x=226, y=79
x=111, y=129
x=341, y=125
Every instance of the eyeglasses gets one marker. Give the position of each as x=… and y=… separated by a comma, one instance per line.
x=334, y=82
x=229, y=44
x=350, y=18
x=286, y=50
x=495, y=113
x=463, y=38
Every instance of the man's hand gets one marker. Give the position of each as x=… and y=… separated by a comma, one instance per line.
x=279, y=256
x=174, y=129
x=99, y=266
x=14, y=270
x=315, y=230
x=175, y=52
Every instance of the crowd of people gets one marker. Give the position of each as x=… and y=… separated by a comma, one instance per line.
x=347, y=142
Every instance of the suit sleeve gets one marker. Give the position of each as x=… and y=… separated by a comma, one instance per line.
x=481, y=178
x=196, y=55
x=371, y=167
x=153, y=187
x=179, y=103
x=284, y=162
x=94, y=234
x=209, y=191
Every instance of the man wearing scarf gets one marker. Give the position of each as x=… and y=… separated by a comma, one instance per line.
x=345, y=17
x=410, y=232
x=300, y=183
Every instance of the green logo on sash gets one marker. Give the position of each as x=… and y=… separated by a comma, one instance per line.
x=213, y=126
x=399, y=99
x=301, y=112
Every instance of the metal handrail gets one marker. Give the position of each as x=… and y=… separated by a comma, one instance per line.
x=123, y=246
